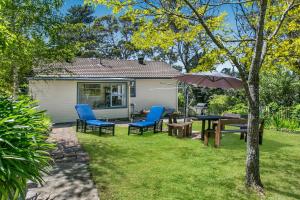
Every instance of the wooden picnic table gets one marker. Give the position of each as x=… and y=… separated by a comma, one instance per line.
x=208, y=118
x=241, y=123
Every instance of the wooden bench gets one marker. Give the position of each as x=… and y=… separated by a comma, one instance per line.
x=180, y=129
x=219, y=128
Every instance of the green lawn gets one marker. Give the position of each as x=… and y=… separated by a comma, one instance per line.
x=157, y=166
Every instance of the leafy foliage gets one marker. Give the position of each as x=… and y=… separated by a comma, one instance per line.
x=23, y=146
x=27, y=30
x=280, y=87
x=282, y=118
x=219, y=104
x=239, y=108
x=80, y=14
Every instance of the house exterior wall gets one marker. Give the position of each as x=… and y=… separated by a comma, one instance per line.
x=59, y=97
x=155, y=92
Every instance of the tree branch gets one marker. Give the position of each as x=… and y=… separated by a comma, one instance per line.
x=230, y=3
x=238, y=41
x=282, y=18
x=220, y=46
x=259, y=44
x=247, y=18
x=285, y=13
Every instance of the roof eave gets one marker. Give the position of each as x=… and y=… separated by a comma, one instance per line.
x=98, y=78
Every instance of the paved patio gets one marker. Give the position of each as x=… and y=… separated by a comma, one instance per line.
x=70, y=177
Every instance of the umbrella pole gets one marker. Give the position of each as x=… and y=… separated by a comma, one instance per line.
x=186, y=101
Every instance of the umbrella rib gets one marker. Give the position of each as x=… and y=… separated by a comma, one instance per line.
x=229, y=83
x=201, y=81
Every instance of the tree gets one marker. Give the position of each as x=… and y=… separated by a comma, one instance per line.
x=115, y=34
x=80, y=14
x=258, y=40
x=30, y=26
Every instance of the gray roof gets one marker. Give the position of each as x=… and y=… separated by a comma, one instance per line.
x=96, y=68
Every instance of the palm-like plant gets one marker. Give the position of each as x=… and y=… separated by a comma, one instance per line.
x=23, y=147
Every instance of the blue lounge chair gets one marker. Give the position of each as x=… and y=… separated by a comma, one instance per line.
x=87, y=118
x=153, y=120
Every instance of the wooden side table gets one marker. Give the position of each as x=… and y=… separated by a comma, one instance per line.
x=180, y=129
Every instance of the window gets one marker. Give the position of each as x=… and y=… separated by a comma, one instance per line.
x=132, y=88
x=103, y=95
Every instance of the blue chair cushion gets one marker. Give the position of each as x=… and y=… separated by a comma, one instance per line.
x=85, y=112
x=99, y=123
x=142, y=124
x=155, y=113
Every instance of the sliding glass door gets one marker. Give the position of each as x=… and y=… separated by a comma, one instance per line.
x=102, y=95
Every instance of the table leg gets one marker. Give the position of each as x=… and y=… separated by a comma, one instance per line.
x=170, y=130
x=174, y=130
x=170, y=119
x=217, y=136
x=203, y=129
x=180, y=132
x=206, y=138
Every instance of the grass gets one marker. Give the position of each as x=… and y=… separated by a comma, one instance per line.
x=160, y=167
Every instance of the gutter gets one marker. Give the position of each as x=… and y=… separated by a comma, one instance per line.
x=96, y=78
x=79, y=78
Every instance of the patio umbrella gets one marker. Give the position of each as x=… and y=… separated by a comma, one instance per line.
x=209, y=80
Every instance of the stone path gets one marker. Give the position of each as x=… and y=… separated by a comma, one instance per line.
x=70, y=177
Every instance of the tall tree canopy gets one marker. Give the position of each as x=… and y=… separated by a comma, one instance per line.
x=106, y=36
x=28, y=38
x=259, y=39
x=80, y=14
x=116, y=33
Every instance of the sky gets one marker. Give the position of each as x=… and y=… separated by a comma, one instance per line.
x=103, y=10
x=100, y=10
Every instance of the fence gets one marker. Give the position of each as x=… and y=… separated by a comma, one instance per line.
x=281, y=118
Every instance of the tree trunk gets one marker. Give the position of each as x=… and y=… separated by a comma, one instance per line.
x=252, y=162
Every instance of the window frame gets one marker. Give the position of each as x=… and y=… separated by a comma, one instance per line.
x=105, y=82
x=134, y=88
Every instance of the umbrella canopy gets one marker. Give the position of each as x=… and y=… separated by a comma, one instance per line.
x=211, y=80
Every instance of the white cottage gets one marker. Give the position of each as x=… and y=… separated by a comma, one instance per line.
x=110, y=87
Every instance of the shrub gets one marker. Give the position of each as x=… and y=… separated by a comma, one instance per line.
x=219, y=104
x=296, y=112
x=239, y=108
x=180, y=100
x=23, y=147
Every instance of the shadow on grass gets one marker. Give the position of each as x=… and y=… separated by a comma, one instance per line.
x=109, y=159
x=233, y=142
x=112, y=156
x=284, y=192
x=146, y=133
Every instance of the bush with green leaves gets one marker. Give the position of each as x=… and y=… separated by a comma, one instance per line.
x=23, y=147
x=282, y=118
x=218, y=104
x=296, y=112
x=239, y=108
